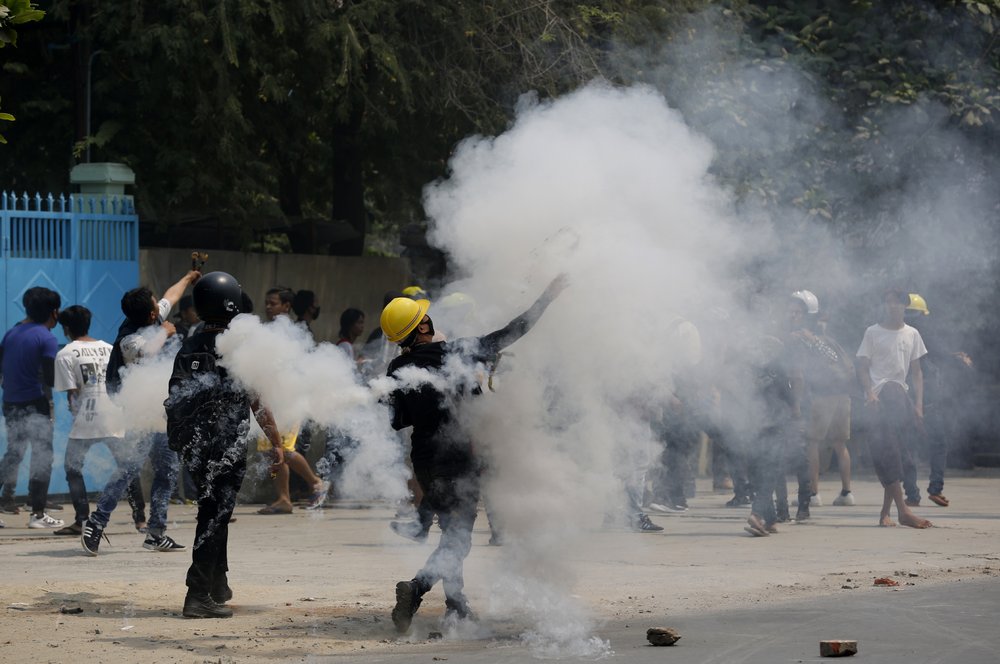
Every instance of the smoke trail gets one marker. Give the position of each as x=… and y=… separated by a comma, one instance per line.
x=300, y=380
x=144, y=387
x=611, y=187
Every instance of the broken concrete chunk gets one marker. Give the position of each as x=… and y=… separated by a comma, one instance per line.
x=838, y=648
x=886, y=581
x=662, y=636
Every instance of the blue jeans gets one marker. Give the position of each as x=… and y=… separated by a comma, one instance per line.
x=130, y=455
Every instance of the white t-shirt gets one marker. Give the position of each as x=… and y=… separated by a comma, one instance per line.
x=132, y=345
x=890, y=353
x=347, y=347
x=81, y=366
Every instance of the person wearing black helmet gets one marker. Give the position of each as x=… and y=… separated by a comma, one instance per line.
x=208, y=423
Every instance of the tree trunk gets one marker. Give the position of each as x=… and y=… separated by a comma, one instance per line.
x=348, y=183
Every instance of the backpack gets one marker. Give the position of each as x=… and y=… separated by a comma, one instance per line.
x=196, y=402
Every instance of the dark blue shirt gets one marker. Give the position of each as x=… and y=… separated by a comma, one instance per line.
x=24, y=346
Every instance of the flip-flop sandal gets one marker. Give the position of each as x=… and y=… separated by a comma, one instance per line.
x=271, y=509
x=755, y=532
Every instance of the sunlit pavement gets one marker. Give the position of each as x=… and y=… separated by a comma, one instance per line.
x=319, y=586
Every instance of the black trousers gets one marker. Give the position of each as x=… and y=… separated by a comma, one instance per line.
x=29, y=424
x=217, y=468
x=454, y=498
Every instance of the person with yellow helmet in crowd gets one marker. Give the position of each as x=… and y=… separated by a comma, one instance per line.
x=945, y=373
x=442, y=456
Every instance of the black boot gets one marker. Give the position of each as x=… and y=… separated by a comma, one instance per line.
x=197, y=605
x=221, y=592
x=458, y=606
x=407, y=602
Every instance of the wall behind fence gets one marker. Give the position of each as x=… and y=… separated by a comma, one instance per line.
x=338, y=281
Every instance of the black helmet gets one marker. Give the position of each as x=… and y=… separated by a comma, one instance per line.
x=218, y=297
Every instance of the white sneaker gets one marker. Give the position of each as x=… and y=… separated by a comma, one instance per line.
x=844, y=501
x=45, y=521
x=815, y=500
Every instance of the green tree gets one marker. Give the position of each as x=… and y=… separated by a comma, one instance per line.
x=14, y=12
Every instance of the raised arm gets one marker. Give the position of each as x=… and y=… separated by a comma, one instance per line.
x=176, y=292
x=494, y=342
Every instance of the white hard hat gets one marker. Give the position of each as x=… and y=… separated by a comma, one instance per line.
x=809, y=299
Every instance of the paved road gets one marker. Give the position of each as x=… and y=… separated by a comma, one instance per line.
x=953, y=624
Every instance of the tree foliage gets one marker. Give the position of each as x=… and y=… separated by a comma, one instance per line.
x=14, y=12
x=263, y=114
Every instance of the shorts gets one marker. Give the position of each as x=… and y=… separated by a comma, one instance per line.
x=287, y=441
x=829, y=418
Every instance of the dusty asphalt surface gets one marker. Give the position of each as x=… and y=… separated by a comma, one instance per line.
x=319, y=587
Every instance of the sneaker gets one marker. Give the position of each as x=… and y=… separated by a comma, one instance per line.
x=844, y=499
x=2, y=524
x=45, y=521
x=319, y=495
x=802, y=514
x=91, y=538
x=912, y=502
x=72, y=529
x=738, y=501
x=161, y=543
x=141, y=527
x=203, y=606
x=816, y=500
x=9, y=507
x=407, y=603
x=641, y=524
x=411, y=530
x=938, y=499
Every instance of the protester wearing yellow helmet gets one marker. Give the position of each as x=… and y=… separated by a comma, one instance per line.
x=917, y=303
x=442, y=455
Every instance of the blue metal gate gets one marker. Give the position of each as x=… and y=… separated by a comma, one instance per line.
x=86, y=249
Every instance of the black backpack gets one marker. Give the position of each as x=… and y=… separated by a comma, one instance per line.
x=196, y=403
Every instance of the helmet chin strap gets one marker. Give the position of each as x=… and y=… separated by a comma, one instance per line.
x=411, y=338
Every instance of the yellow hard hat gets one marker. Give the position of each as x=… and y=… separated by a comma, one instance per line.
x=415, y=292
x=917, y=303
x=401, y=317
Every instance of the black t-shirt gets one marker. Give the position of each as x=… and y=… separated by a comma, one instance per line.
x=437, y=440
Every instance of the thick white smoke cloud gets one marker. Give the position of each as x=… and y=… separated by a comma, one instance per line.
x=611, y=187
x=300, y=380
x=144, y=385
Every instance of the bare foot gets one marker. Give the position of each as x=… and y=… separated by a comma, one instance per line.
x=914, y=521
x=886, y=522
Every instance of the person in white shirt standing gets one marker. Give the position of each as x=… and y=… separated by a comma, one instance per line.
x=80, y=372
x=889, y=352
x=143, y=336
